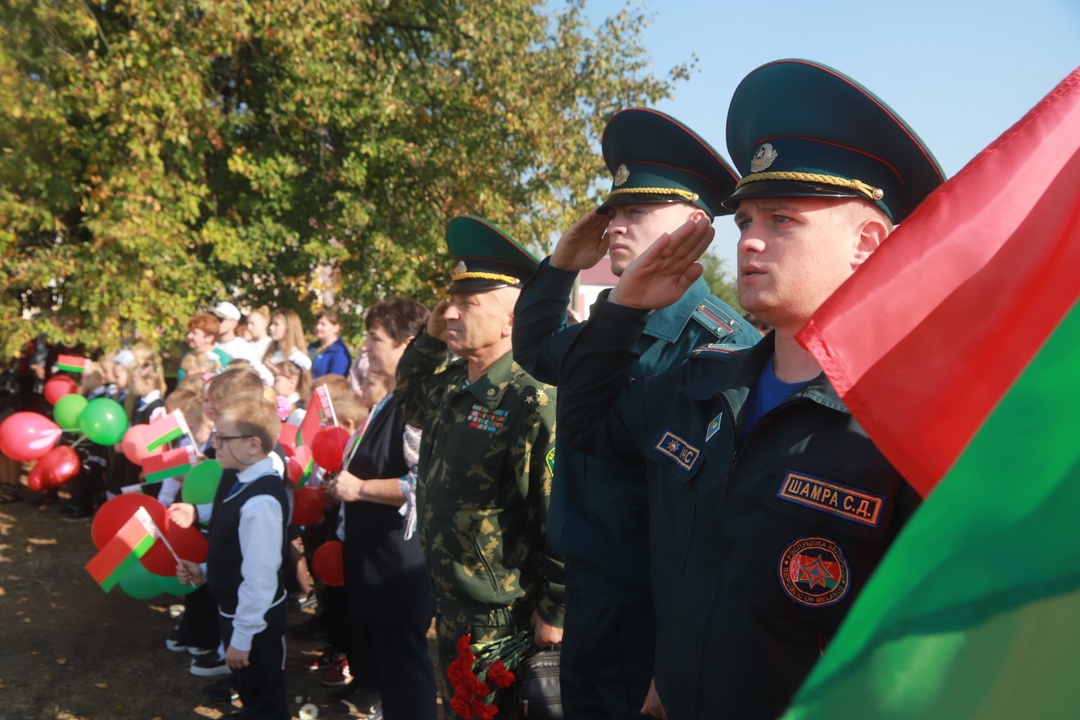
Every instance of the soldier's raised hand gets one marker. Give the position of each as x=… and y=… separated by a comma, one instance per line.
x=436, y=324
x=664, y=272
x=584, y=244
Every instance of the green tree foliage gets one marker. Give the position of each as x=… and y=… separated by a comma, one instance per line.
x=157, y=155
x=720, y=280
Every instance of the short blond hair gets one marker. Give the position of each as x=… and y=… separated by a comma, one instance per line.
x=252, y=416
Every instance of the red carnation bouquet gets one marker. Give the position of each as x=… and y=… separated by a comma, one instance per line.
x=476, y=670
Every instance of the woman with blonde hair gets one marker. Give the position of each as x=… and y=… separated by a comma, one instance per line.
x=287, y=340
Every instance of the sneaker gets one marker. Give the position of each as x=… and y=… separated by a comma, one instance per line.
x=326, y=659
x=209, y=667
x=338, y=675
x=221, y=690
x=200, y=653
x=300, y=601
x=173, y=645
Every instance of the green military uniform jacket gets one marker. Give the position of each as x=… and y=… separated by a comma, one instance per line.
x=483, y=485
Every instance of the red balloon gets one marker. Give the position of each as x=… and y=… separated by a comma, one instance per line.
x=307, y=506
x=111, y=516
x=133, y=445
x=327, y=563
x=58, y=386
x=35, y=479
x=328, y=446
x=298, y=463
x=287, y=438
x=189, y=544
x=27, y=436
x=58, y=466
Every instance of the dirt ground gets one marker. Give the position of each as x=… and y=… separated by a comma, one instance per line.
x=68, y=651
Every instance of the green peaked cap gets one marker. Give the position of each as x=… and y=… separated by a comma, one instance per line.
x=485, y=256
x=654, y=158
x=796, y=128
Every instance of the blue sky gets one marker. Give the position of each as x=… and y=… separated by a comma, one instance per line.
x=960, y=72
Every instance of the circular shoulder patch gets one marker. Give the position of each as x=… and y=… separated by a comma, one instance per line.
x=814, y=572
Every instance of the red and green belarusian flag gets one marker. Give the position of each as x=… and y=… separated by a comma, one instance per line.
x=170, y=463
x=71, y=363
x=132, y=541
x=320, y=412
x=166, y=429
x=957, y=347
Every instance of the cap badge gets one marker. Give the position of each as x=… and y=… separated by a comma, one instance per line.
x=622, y=174
x=461, y=268
x=763, y=158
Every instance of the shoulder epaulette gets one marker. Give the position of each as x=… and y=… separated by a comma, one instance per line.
x=716, y=318
x=718, y=351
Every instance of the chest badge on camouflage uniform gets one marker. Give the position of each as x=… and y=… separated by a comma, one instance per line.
x=814, y=572
x=682, y=452
x=484, y=418
x=713, y=427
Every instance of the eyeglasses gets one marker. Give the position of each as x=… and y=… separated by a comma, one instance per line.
x=216, y=439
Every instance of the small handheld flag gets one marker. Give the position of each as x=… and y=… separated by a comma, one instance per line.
x=321, y=412
x=128, y=545
x=71, y=363
x=170, y=463
x=166, y=429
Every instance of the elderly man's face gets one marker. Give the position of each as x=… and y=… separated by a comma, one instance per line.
x=478, y=321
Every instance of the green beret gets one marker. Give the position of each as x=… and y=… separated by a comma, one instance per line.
x=796, y=128
x=486, y=258
x=653, y=158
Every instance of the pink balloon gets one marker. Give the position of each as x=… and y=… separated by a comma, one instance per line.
x=58, y=466
x=58, y=386
x=133, y=445
x=27, y=436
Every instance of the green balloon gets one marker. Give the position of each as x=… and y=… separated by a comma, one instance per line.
x=140, y=583
x=171, y=586
x=201, y=483
x=103, y=421
x=67, y=410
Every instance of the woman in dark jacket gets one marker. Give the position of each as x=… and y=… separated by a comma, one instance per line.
x=389, y=599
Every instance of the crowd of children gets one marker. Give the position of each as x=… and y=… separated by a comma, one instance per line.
x=234, y=403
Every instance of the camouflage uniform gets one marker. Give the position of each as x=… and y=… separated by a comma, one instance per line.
x=483, y=485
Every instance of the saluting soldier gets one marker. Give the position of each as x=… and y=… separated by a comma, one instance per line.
x=486, y=457
x=663, y=174
x=770, y=506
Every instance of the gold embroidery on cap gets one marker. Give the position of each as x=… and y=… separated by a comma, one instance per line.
x=486, y=276
x=684, y=194
x=857, y=185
